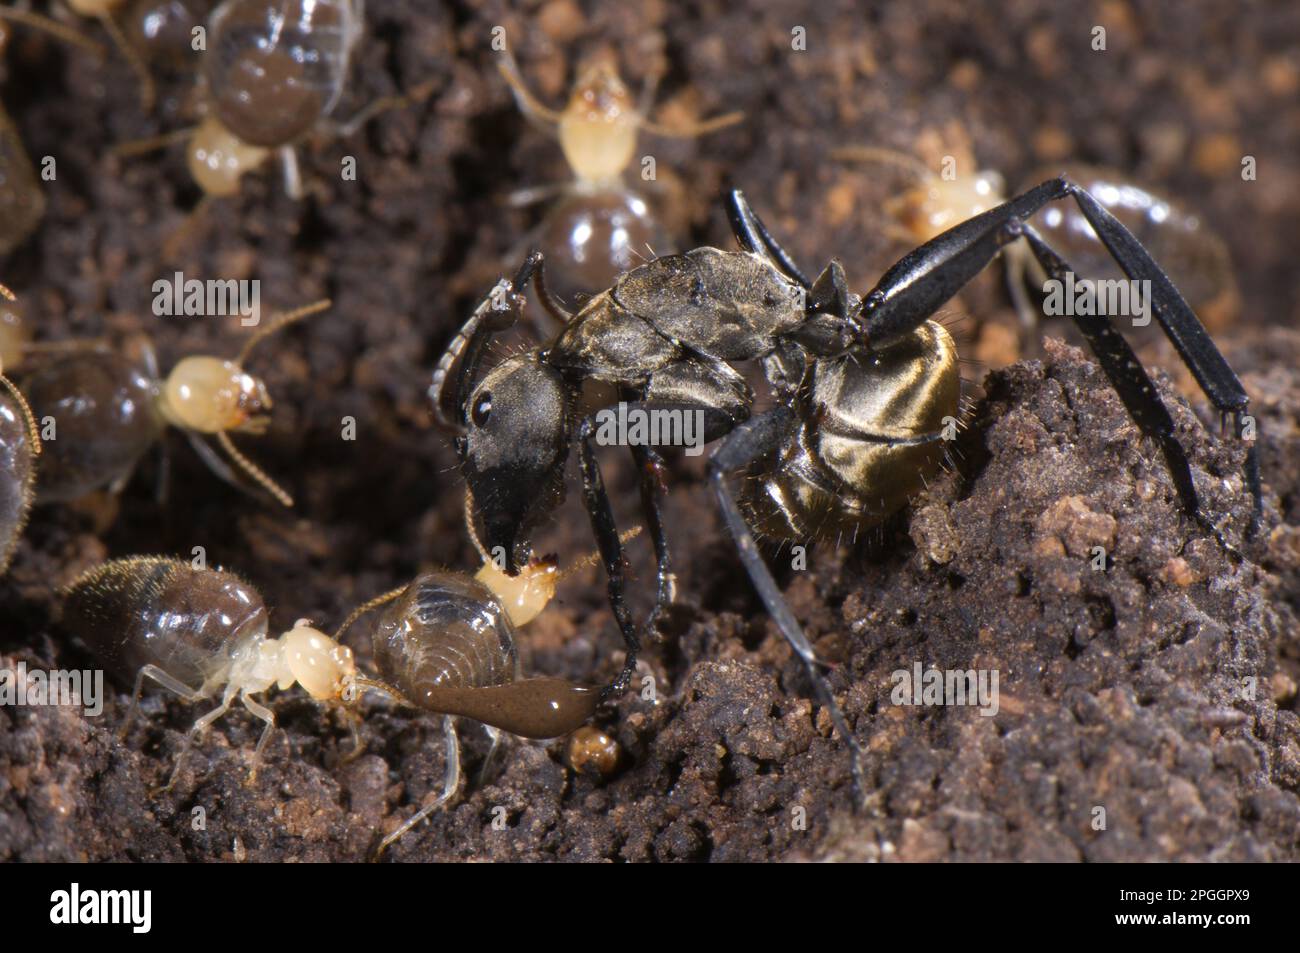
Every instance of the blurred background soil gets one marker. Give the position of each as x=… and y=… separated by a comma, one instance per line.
x=1121, y=690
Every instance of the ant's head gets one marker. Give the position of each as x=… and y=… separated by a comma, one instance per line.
x=208, y=395
x=513, y=453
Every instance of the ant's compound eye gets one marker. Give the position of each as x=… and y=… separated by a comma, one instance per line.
x=482, y=410
x=770, y=300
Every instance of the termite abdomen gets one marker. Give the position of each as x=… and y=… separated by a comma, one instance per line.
x=103, y=409
x=151, y=610
x=447, y=644
x=22, y=203
x=16, y=482
x=276, y=69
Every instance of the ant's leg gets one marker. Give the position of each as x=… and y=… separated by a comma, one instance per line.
x=751, y=440
x=718, y=398
x=605, y=530
x=752, y=236
x=498, y=310
x=451, y=781
x=160, y=677
x=649, y=466
x=924, y=279
x=1131, y=381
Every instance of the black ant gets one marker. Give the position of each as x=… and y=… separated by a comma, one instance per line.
x=863, y=387
x=1193, y=255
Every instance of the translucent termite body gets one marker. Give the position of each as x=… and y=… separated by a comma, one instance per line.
x=445, y=643
x=1196, y=259
x=109, y=410
x=273, y=72
x=20, y=444
x=272, y=75
x=17, y=476
x=164, y=30
x=202, y=634
x=22, y=201
x=105, y=411
x=275, y=68
x=14, y=330
x=599, y=227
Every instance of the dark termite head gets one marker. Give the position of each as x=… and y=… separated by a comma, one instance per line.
x=513, y=452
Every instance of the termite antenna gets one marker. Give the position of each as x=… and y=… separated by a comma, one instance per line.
x=53, y=27
x=148, y=93
x=528, y=104
x=384, y=104
x=175, y=242
x=139, y=147
x=881, y=156
x=694, y=129
x=470, y=529
x=593, y=558
x=361, y=683
x=365, y=607
x=258, y=475
x=277, y=323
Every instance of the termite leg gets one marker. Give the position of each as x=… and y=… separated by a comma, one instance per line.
x=495, y=735
x=268, y=716
x=748, y=442
x=169, y=682
x=195, y=731
x=451, y=782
